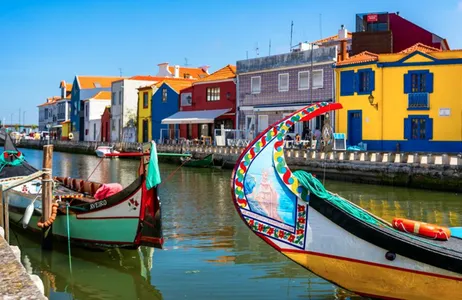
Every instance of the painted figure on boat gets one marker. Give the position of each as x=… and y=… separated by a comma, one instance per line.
x=266, y=196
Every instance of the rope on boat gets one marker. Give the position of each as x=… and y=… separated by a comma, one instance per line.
x=174, y=171
x=47, y=223
x=313, y=185
x=95, y=168
x=17, y=161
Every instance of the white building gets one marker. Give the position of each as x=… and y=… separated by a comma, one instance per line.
x=124, y=98
x=55, y=110
x=93, y=109
x=47, y=113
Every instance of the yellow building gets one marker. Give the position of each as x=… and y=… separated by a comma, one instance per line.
x=66, y=129
x=407, y=101
x=144, y=122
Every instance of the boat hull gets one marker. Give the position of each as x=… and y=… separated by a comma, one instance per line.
x=204, y=162
x=100, y=224
x=331, y=236
x=356, y=265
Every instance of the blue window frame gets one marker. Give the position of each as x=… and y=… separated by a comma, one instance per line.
x=418, y=127
x=420, y=81
x=365, y=81
x=418, y=85
x=347, y=83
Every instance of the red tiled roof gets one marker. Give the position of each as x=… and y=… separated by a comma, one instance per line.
x=196, y=73
x=362, y=57
x=50, y=101
x=227, y=72
x=91, y=82
x=421, y=48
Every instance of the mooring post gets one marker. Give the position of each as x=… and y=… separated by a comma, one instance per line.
x=47, y=196
x=4, y=215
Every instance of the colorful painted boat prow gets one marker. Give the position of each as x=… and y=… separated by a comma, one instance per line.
x=331, y=236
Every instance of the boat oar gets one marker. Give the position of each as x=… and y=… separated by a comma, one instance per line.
x=456, y=232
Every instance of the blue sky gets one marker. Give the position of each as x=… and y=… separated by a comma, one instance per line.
x=43, y=42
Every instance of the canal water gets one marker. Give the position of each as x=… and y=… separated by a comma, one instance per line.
x=209, y=252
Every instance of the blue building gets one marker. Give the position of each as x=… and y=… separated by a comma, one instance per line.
x=85, y=87
x=165, y=102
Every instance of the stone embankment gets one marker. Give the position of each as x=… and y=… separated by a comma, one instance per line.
x=15, y=282
x=418, y=170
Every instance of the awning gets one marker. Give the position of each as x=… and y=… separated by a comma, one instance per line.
x=195, y=117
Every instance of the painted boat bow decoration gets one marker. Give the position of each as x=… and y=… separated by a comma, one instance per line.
x=329, y=235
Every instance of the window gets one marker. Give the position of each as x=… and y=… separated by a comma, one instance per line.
x=262, y=122
x=213, y=94
x=418, y=127
x=303, y=80
x=164, y=95
x=113, y=124
x=318, y=79
x=145, y=100
x=283, y=82
x=113, y=98
x=94, y=131
x=86, y=110
x=365, y=81
x=255, y=85
x=418, y=85
x=418, y=82
x=120, y=97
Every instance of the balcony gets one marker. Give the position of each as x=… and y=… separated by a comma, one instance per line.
x=418, y=101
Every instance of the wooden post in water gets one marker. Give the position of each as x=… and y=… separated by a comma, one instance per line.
x=47, y=196
x=4, y=215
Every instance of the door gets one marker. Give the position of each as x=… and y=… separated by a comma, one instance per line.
x=262, y=123
x=250, y=126
x=145, y=131
x=355, y=127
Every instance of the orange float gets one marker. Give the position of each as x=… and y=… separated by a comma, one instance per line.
x=424, y=229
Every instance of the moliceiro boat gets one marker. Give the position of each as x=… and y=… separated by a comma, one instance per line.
x=334, y=238
x=87, y=213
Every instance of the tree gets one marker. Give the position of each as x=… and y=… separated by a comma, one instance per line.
x=132, y=118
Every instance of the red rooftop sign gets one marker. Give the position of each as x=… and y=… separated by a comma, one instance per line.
x=372, y=18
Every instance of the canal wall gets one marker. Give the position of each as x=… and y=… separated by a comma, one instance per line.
x=417, y=170
x=15, y=282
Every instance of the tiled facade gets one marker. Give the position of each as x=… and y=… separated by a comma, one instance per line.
x=284, y=102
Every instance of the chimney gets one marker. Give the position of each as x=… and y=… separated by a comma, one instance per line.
x=342, y=33
x=177, y=72
x=205, y=69
x=343, y=50
x=63, y=89
x=163, y=70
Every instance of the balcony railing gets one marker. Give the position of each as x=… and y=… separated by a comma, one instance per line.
x=418, y=101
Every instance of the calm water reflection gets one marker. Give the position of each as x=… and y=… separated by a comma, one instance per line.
x=209, y=254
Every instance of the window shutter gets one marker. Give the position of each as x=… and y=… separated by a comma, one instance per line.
x=356, y=81
x=347, y=83
x=407, y=129
x=407, y=83
x=372, y=80
x=429, y=82
x=429, y=128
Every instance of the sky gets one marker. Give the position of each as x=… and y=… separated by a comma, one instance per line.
x=44, y=42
